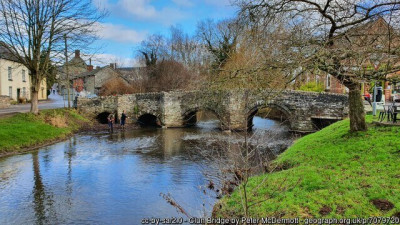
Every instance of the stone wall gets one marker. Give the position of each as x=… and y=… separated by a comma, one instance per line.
x=234, y=108
x=4, y=102
x=98, y=105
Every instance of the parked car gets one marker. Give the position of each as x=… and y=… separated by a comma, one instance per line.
x=396, y=97
x=91, y=96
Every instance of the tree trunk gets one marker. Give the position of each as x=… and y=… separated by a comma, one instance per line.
x=35, y=98
x=356, y=106
x=34, y=101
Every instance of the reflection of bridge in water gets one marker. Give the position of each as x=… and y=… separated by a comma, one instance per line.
x=235, y=109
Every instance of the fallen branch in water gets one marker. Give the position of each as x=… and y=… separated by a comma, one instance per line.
x=172, y=202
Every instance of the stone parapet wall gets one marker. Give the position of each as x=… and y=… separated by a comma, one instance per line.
x=98, y=105
x=5, y=102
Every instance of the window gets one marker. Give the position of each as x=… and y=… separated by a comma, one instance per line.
x=10, y=92
x=9, y=73
x=317, y=79
x=23, y=76
x=328, y=81
x=24, y=92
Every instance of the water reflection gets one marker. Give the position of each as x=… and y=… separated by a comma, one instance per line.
x=103, y=178
x=38, y=190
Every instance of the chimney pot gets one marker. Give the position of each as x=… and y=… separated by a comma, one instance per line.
x=90, y=68
x=77, y=53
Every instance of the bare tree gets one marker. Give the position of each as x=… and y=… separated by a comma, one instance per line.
x=32, y=31
x=340, y=38
x=239, y=156
x=187, y=50
x=153, y=49
x=167, y=75
x=220, y=38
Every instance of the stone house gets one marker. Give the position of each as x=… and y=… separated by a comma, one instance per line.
x=15, y=79
x=375, y=32
x=92, y=80
x=132, y=74
x=329, y=82
x=76, y=66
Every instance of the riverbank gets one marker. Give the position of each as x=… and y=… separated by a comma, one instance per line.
x=328, y=174
x=25, y=131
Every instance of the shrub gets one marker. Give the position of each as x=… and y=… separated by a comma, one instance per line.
x=312, y=86
x=22, y=100
x=167, y=75
x=116, y=86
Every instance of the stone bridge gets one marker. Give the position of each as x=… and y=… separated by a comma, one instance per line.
x=235, y=109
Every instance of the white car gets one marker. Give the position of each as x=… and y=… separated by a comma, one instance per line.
x=396, y=97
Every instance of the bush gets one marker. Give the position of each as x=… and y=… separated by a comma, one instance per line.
x=167, y=75
x=116, y=86
x=313, y=87
x=22, y=100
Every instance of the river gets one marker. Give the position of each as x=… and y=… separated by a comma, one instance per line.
x=101, y=178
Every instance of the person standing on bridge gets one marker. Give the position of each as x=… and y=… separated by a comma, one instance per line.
x=111, y=120
x=123, y=119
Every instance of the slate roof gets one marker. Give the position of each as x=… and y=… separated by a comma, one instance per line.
x=5, y=53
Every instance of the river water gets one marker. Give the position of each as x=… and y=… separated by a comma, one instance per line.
x=101, y=178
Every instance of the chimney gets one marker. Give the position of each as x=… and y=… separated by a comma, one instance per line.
x=113, y=65
x=77, y=53
x=90, y=68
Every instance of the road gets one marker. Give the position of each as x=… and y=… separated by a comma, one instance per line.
x=54, y=101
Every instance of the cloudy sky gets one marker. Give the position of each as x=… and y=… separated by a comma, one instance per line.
x=129, y=22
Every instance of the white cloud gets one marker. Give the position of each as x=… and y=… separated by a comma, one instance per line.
x=106, y=59
x=141, y=8
x=119, y=33
x=144, y=10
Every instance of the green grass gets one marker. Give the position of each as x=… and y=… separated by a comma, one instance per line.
x=25, y=130
x=331, y=168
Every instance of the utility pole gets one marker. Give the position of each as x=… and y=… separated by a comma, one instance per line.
x=66, y=70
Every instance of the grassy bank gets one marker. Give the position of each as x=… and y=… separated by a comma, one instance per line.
x=330, y=173
x=22, y=131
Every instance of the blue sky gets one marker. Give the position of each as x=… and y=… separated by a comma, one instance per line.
x=130, y=21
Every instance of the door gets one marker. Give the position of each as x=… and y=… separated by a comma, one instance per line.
x=18, y=93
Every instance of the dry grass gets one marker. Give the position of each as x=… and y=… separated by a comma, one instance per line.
x=57, y=121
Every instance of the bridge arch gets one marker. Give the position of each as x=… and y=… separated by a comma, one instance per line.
x=102, y=117
x=190, y=116
x=149, y=120
x=285, y=114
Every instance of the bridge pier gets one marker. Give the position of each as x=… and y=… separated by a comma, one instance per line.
x=172, y=110
x=304, y=125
